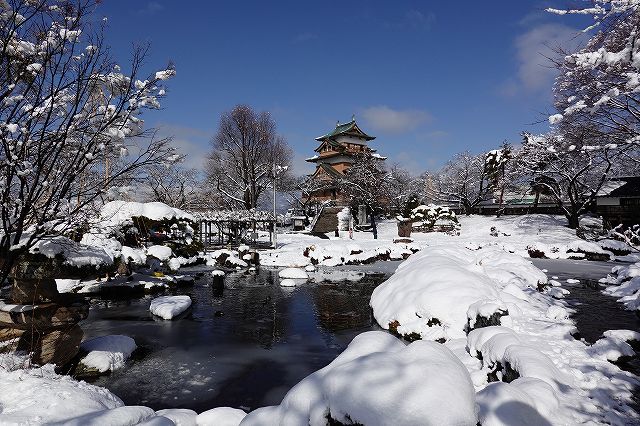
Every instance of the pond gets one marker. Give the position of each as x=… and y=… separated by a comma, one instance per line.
x=249, y=345
x=243, y=348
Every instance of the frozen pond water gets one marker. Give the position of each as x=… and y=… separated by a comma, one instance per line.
x=244, y=348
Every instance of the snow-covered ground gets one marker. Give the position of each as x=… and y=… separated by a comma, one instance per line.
x=526, y=368
x=515, y=234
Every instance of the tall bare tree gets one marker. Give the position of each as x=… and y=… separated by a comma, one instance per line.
x=174, y=185
x=69, y=119
x=246, y=151
x=464, y=180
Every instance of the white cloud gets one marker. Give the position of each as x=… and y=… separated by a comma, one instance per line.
x=387, y=120
x=535, y=72
x=191, y=142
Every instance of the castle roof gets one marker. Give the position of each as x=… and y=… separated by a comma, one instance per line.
x=348, y=129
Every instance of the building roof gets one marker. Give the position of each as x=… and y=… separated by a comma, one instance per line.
x=348, y=129
x=621, y=187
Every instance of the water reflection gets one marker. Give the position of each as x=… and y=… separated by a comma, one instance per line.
x=245, y=347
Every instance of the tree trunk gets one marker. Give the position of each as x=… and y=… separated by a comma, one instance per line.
x=574, y=220
x=373, y=225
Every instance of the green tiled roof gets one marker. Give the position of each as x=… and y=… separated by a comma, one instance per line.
x=350, y=128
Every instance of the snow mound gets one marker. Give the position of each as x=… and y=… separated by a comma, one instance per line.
x=626, y=285
x=74, y=254
x=168, y=307
x=459, y=282
x=107, y=353
x=134, y=255
x=293, y=273
x=179, y=416
x=159, y=252
x=525, y=402
x=127, y=415
x=221, y=416
x=37, y=396
x=378, y=380
x=116, y=213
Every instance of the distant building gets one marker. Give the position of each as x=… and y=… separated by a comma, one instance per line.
x=334, y=155
x=618, y=201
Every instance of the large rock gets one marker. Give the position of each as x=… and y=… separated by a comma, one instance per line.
x=57, y=346
x=43, y=316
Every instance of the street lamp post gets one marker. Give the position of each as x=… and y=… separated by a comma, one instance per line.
x=276, y=170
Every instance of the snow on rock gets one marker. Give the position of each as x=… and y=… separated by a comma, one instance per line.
x=159, y=252
x=179, y=416
x=107, y=353
x=134, y=255
x=75, y=254
x=293, y=273
x=289, y=282
x=116, y=213
x=66, y=285
x=168, y=307
x=614, y=345
x=39, y=395
x=221, y=416
x=378, y=380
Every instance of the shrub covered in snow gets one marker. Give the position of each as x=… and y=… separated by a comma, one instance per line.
x=460, y=286
x=430, y=215
x=625, y=284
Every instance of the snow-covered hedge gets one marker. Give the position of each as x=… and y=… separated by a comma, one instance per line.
x=625, y=284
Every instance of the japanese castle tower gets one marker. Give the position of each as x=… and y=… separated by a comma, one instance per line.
x=334, y=155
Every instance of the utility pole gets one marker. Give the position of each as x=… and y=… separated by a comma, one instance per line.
x=275, y=217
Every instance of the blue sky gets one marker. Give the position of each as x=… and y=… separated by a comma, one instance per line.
x=429, y=79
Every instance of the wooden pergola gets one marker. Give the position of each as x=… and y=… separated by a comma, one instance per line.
x=234, y=228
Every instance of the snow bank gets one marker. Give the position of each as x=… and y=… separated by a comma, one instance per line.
x=39, y=395
x=168, y=307
x=107, y=353
x=221, y=416
x=378, y=380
